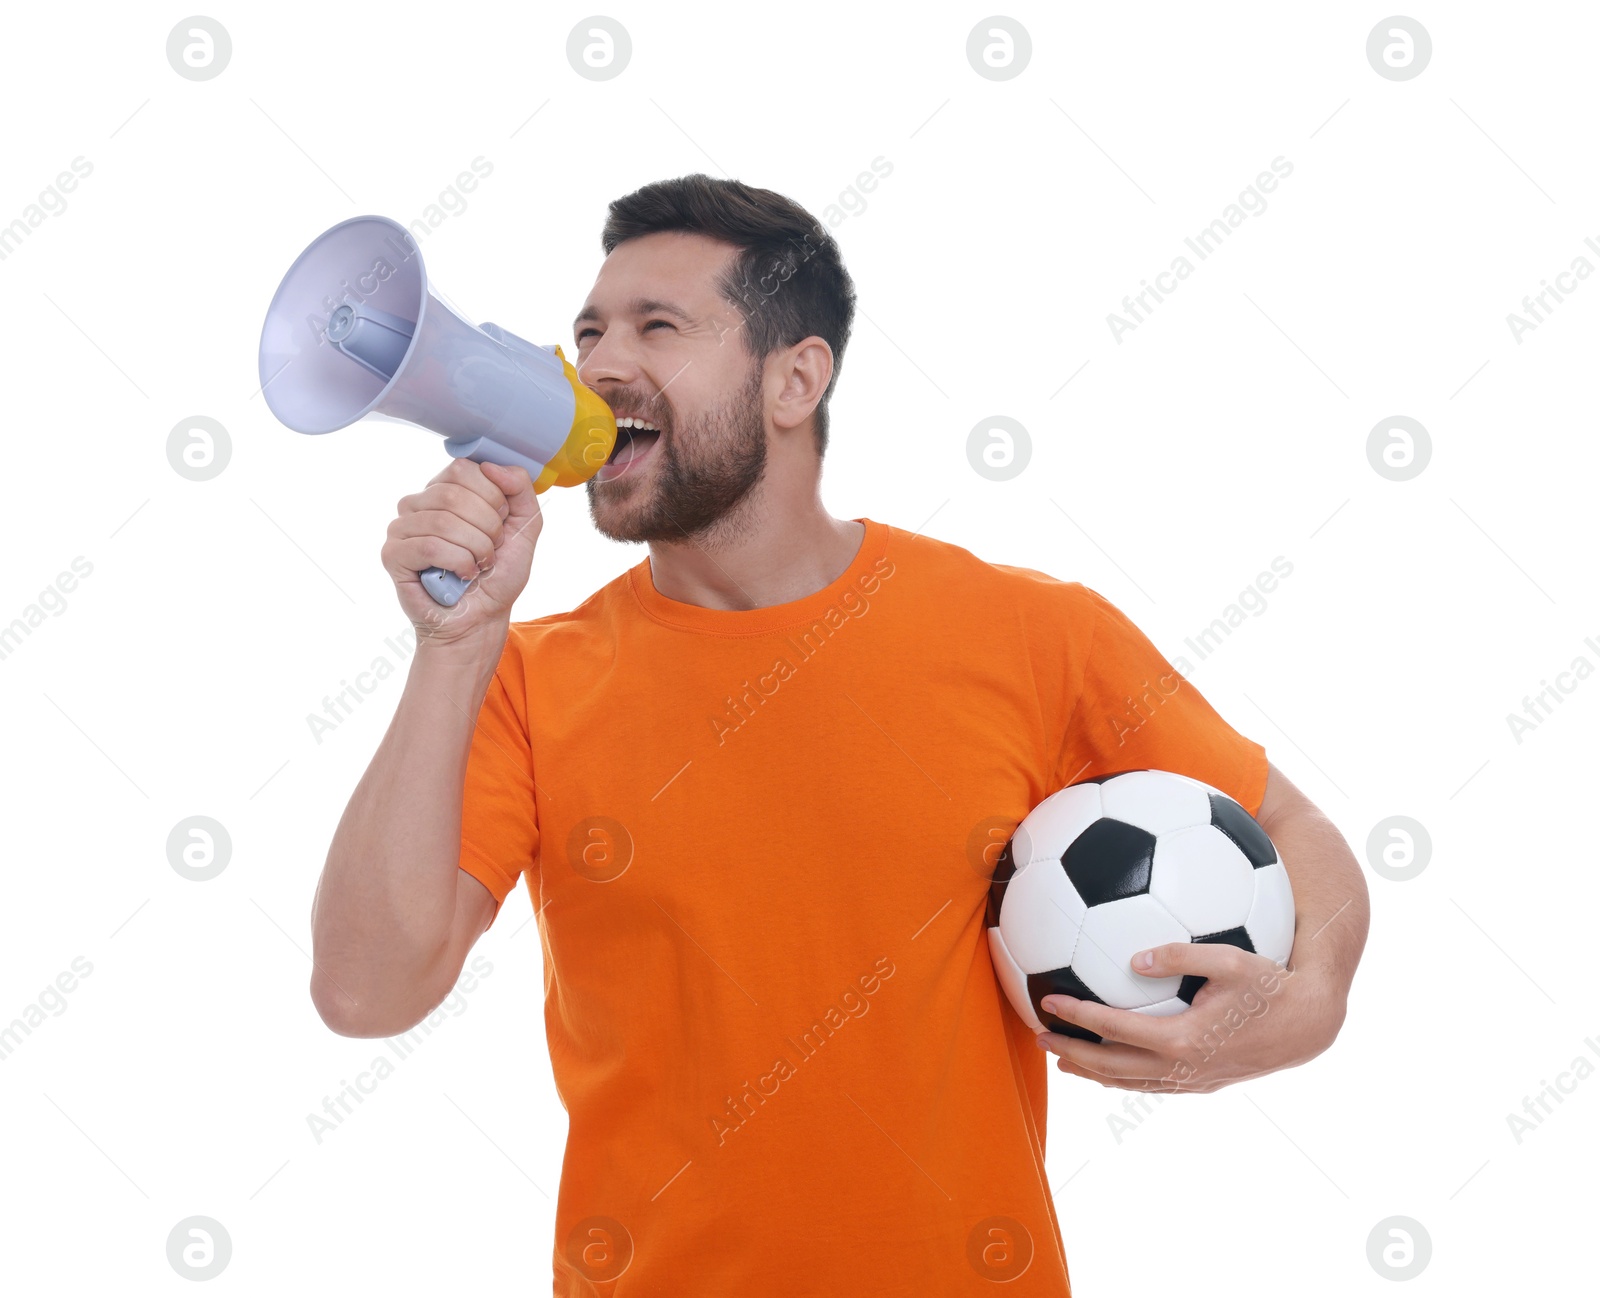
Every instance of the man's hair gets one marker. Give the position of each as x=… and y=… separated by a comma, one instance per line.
x=788, y=281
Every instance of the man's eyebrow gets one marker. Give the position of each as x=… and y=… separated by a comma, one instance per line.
x=639, y=306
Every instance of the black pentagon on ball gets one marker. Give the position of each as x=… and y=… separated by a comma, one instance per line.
x=1230, y=937
x=1239, y=825
x=1110, y=860
x=1060, y=982
x=1004, y=868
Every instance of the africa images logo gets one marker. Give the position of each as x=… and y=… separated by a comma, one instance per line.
x=743, y=1106
x=741, y=709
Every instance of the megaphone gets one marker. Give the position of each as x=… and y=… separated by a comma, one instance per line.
x=355, y=332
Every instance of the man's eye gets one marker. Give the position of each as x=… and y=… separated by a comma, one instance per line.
x=584, y=333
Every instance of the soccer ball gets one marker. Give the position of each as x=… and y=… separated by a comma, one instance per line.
x=1110, y=866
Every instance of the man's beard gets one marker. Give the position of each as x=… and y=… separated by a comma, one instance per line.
x=707, y=469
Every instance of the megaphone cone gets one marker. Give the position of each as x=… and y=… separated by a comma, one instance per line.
x=354, y=331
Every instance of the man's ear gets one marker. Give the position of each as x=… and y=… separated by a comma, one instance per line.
x=807, y=368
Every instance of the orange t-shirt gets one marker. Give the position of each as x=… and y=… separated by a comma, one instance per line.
x=759, y=845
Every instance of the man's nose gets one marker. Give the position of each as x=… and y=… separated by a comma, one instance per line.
x=608, y=358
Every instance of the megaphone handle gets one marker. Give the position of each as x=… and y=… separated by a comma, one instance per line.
x=445, y=586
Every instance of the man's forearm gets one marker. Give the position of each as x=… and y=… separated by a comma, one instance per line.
x=1330, y=895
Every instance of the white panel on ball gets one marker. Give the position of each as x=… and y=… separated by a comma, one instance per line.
x=1111, y=935
x=1162, y=1009
x=1203, y=879
x=1043, y=913
x=1013, y=981
x=1059, y=819
x=1271, y=919
x=1154, y=801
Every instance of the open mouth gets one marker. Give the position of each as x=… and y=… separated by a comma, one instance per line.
x=633, y=447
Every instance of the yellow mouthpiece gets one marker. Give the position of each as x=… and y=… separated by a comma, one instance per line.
x=589, y=443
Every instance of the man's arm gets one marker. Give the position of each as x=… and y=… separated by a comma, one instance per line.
x=394, y=916
x=1331, y=909
x=1250, y=1018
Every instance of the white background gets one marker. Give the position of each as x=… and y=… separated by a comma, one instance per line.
x=1229, y=428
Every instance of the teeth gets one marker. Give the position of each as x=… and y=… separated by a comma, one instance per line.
x=644, y=425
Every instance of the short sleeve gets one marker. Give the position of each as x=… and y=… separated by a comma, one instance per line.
x=499, y=818
x=1131, y=710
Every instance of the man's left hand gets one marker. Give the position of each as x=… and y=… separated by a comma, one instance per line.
x=1252, y=1017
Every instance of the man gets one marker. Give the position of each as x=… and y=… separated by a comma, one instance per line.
x=754, y=786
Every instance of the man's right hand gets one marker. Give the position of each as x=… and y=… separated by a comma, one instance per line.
x=476, y=520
